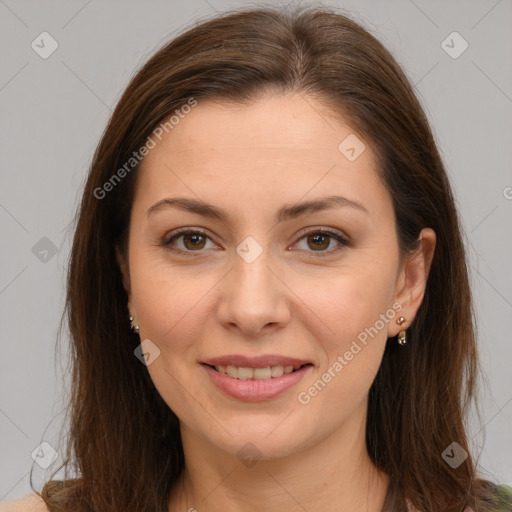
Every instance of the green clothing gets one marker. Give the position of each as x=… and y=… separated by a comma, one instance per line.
x=503, y=498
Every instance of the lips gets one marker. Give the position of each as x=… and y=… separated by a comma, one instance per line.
x=256, y=389
x=256, y=378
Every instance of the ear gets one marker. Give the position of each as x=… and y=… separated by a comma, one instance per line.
x=126, y=276
x=412, y=280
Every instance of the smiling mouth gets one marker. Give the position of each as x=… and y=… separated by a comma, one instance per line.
x=267, y=372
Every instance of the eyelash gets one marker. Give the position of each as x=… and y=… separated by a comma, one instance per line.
x=166, y=242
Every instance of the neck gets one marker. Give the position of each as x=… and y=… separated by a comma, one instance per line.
x=333, y=475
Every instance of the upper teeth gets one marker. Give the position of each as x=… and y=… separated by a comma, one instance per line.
x=245, y=373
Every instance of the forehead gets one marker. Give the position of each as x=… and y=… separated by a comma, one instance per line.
x=291, y=121
x=278, y=146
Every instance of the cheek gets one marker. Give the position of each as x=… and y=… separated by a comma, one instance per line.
x=171, y=309
x=353, y=316
x=348, y=303
x=169, y=302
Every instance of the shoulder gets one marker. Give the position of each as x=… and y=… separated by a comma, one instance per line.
x=29, y=503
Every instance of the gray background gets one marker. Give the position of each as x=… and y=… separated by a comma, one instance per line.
x=54, y=110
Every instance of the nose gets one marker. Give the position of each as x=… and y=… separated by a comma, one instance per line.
x=253, y=297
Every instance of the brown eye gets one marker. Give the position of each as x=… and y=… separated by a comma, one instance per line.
x=194, y=241
x=187, y=241
x=318, y=241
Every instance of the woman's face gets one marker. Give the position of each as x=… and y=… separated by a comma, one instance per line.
x=258, y=286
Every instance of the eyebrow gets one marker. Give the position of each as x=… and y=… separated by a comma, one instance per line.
x=286, y=212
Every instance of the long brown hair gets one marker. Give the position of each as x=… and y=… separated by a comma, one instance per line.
x=124, y=442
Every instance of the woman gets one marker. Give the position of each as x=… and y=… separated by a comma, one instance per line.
x=268, y=295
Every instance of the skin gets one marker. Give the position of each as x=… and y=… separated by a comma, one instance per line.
x=252, y=160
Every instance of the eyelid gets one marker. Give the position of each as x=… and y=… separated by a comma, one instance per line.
x=342, y=239
x=323, y=230
x=166, y=241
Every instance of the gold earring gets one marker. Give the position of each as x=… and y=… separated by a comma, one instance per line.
x=402, y=340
